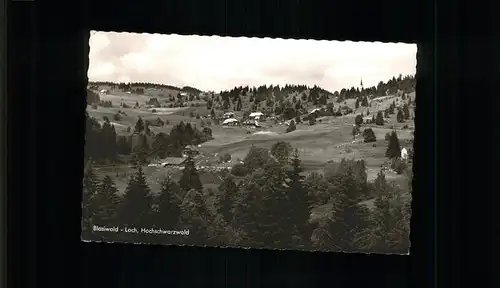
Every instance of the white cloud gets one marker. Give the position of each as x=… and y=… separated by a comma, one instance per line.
x=219, y=63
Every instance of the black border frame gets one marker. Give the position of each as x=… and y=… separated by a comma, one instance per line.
x=3, y=118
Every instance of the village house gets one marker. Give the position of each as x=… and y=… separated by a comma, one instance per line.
x=190, y=150
x=367, y=119
x=250, y=122
x=228, y=115
x=230, y=122
x=315, y=110
x=256, y=115
x=172, y=161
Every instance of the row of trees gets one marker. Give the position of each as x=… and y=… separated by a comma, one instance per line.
x=143, y=85
x=278, y=101
x=166, y=145
x=100, y=140
x=406, y=84
x=268, y=204
x=317, y=95
x=103, y=145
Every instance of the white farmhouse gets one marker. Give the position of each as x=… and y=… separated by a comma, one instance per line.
x=230, y=121
x=404, y=154
x=228, y=115
x=314, y=110
x=256, y=115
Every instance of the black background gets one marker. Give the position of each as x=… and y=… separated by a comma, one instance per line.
x=47, y=68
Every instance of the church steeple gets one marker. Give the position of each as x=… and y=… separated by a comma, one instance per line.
x=361, y=84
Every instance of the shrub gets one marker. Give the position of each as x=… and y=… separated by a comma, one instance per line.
x=369, y=135
x=207, y=131
x=358, y=120
x=312, y=121
x=380, y=119
x=117, y=117
x=291, y=127
x=154, y=110
x=225, y=158
x=239, y=170
x=94, y=106
x=400, y=116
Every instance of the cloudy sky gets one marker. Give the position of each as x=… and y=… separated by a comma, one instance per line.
x=219, y=63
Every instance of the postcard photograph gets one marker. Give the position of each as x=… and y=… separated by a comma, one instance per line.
x=249, y=142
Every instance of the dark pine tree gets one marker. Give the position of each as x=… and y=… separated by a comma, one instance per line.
x=281, y=150
x=400, y=117
x=349, y=228
x=390, y=218
x=137, y=203
x=357, y=103
x=106, y=203
x=238, y=105
x=393, y=148
x=369, y=135
x=292, y=126
x=323, y=100
x=139, y=125
x=168, y=202
x=90, y=188
x=147, y=130
x=358, y=120
x=159, y=146
x=262, y=211
x=190, y=178
x=256, y=158
x=199, y=220
x=380, y=118
x=364, y=103
x=168, y=210
x=406, y=112
x=228, y=191
x=299, y=200
x=142, y=150
x=382, y=218
x=123, y=146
